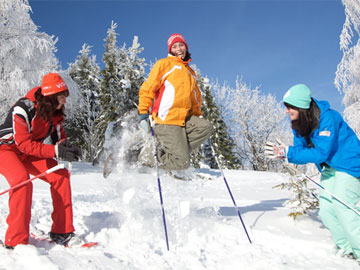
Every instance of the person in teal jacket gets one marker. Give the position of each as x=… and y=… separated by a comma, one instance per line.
x=321, y=136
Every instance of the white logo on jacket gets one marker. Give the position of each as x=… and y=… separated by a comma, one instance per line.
x=325, y=133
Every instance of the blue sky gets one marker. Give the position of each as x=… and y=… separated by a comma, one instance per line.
x=273, y=44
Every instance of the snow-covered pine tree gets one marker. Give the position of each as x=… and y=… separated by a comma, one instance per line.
x=82, y=127
x=121, y=79
x=25, y=53
x=253, y=118
x=347, y=78
x=222, y=142
x=110, y=86
x=131, y=70
x=111, y=82
x=304, y=199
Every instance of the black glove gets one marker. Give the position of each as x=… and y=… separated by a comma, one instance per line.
x=65, y=151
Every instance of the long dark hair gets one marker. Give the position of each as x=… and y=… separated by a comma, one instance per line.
x=46, y=105
x=307, y=122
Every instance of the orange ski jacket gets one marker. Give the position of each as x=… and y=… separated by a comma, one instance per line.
x=172, y=92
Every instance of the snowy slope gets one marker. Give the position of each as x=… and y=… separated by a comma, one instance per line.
x=123, y=214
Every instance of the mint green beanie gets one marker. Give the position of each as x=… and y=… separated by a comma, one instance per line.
x=298, y=96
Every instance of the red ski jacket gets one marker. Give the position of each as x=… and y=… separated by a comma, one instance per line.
x=25, y=132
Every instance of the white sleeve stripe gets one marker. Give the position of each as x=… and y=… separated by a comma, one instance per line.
x=167, y=73
x=196, y=98
x=20, y=111
x=58, y=131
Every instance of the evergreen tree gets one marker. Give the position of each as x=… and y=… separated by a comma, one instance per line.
x=25, y=53
x=83, y=129
x=131, y=70
x=303, y=199
x=222, y=143
x=110, y=85
x=121, y=79
x=111, y=81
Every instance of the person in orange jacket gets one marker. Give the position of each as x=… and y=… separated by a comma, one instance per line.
x=31, y=120
x=174, y=97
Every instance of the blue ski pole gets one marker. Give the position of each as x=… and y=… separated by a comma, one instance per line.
x=158, y=180
x=228, y=188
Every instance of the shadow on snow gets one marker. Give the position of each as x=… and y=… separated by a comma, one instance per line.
x=263, y=206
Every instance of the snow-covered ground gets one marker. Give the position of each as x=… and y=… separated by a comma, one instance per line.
x=123, y=214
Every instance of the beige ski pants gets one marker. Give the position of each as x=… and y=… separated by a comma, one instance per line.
x=177, y=142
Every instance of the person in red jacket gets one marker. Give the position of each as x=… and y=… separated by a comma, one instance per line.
x=33, y=119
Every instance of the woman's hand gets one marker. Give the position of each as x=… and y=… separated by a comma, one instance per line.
x=276, y=150
x=66, y=151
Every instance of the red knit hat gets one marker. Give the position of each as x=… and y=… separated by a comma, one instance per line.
x=176, y=38
x=51, y=84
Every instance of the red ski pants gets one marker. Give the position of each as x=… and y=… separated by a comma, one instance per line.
x=16, y=169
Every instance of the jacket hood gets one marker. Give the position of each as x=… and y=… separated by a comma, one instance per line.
x=323, y=105
x=31, y=94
